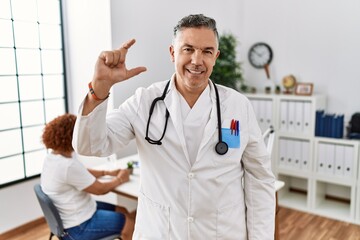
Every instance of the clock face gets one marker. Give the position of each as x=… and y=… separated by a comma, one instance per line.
x=260, y=54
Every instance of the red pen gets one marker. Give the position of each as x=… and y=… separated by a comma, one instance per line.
x=232, y=126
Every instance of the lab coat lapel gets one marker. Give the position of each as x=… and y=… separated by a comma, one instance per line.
x=212, y=125
x=173, y=106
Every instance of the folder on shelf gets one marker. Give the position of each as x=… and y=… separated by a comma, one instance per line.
x=283, y=115
x=307, y=119
x=305, y=156
x=318, y=121
x=348, y=160
x=339, y=160
x=330, y=159
x=321, y=158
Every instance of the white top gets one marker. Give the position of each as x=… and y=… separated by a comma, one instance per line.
x=178, y=199
x=63, y=180
x=194, y=121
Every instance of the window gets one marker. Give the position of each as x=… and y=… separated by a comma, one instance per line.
x=32, y=83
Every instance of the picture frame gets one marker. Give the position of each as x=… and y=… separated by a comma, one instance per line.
x=304, y=89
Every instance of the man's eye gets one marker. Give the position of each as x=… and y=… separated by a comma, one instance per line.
x=208, y=52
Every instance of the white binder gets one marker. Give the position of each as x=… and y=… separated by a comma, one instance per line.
x=339, y=160
x=283, y=115
x=297, y=153
x=349, y=160
x=299, y=116
x=290, y=153
x=282, y=152
x=307, y=117
x=268, y=113
x=262, y=115
x=291, y=116
x=321, y=158
x=330, y=159
x=305, y=156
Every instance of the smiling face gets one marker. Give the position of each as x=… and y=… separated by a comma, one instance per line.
x=194, y=52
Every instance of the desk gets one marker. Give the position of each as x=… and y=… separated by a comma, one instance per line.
x=131, y=189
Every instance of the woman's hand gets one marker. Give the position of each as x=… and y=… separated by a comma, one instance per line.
x=123, y=176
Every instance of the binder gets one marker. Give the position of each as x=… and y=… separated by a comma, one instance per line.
x=291, y=116
x=339, y=128
x=348, y=160
x=297, y=153
x=255, y=104
x=268, y=114
x=299, y=116
x=322, y=126
x=262, y=113
x=283, y=115
x=289, y=153
x=330, y=159
x=318, y=121
x=305, y=156
x=321, y=158
x=307, y=117
x=339, y=160
x=282, y=152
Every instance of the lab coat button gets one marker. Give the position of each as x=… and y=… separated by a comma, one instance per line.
x=191, y=175
x=190, y=219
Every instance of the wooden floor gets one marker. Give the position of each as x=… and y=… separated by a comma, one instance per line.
x=294, y=225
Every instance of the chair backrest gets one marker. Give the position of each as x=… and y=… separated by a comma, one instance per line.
x=52, y=215
x=269, y=137
x=50, y=212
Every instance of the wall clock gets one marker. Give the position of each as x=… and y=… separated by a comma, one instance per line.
x=260, y=55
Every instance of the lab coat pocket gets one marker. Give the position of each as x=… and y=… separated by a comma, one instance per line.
x=231, y=223
x=152, y=220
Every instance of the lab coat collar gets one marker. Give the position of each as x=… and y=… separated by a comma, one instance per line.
x=172, y=103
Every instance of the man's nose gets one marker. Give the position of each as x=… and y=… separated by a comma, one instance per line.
x=197, y=57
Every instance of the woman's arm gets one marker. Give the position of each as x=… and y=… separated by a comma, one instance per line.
x=100, y=188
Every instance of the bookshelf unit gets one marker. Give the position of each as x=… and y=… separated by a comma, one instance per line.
x=320, y=174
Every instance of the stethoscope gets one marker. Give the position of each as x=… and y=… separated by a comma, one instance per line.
x=221, y=147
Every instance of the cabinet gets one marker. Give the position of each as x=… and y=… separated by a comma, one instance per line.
x=320, y=174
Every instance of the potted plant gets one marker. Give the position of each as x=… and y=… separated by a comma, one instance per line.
x=130, y=166
x=227, y=70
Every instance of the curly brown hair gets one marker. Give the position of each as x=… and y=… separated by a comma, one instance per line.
x=57, y=134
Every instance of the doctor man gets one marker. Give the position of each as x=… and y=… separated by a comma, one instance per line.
x=197, y=142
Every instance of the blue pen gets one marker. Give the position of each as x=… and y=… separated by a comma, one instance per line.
x=237, y=128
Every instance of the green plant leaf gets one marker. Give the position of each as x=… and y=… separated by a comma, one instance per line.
x=227, y=70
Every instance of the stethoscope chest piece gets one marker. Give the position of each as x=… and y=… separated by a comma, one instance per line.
x=221, y=148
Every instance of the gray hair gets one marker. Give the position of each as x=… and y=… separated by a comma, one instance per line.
x=196, y=21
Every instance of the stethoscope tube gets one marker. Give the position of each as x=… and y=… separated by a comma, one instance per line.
x=221, y=147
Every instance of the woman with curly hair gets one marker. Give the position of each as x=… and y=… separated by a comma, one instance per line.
x=69, y=185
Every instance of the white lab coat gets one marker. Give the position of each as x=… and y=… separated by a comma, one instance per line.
x=178, y=200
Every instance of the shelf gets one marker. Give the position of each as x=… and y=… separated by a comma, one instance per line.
x=293, y=200
x=334, y=200
x=335, y=210
x=321, y=174
x=295, y=193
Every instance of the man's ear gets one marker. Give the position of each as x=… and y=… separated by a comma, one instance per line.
x=216, y=56
x=171, y=50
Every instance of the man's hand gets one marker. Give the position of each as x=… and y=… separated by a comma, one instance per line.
x=111, y=68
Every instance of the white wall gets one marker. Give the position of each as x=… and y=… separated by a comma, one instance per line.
x=317, y=41
x=151, y=23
